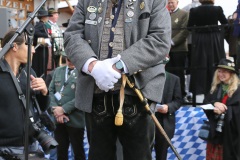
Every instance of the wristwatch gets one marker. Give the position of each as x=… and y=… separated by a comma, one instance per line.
x=119, y=66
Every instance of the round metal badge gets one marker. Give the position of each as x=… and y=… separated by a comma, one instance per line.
x=92, y=16
x=130, y=14
x=73, y=86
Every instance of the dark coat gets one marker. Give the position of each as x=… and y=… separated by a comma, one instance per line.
x=12, y=110
x=206, y=15
x=179, y=20
x=231, y=130
x=208, y=45
x=40, y=32
x=40, y=58
x=232, y=40
x=173, y=98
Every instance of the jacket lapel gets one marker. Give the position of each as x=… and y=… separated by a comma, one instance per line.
x=72, y=77
x=101, y=24
x=128, y=21
x=63, y=75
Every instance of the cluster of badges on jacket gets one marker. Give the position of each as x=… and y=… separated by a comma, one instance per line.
x=130, y=12
x=98, y=10
x=93, y=13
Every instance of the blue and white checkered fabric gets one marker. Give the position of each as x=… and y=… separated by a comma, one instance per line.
x=86, y=145
x=185, y=140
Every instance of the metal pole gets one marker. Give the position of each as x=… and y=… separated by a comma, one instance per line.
x=44, y=62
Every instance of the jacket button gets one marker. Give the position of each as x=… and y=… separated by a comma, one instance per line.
x=89, y=41
x=111, y=44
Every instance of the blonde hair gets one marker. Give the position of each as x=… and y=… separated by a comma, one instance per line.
x=233, y=83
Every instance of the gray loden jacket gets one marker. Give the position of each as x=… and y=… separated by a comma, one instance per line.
x=147, y=41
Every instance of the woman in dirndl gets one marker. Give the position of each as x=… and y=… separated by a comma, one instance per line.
x=224, y=143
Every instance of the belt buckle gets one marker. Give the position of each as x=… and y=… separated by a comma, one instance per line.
x=31, y=154
x=21, y=96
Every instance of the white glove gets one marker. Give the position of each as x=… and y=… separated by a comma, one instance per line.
x=47, y=41
x=104, y=74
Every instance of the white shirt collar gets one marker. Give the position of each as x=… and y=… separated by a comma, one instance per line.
x=52, y=22
x=175, y=10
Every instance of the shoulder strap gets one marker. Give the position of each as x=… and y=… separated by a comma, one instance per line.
x=20, y=93
x=2, y=66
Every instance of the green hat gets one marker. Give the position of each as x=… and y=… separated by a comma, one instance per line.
x=227, y=64
x=43, y=13
x=52, y=11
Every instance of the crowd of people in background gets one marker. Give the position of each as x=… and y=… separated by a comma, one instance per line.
x=84, y=91
x=198, y=44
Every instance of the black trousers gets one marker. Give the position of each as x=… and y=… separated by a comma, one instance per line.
x=65, y=135
x=161, y=144
x=176, y=66
x=136, y=134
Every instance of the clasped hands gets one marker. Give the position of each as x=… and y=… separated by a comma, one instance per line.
x=59, y=115
x=105, y=73
x=219, y=108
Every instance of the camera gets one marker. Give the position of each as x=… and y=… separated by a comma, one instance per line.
x=46, y=141
x=220, y=122
x=43, y=115
x=47, y=122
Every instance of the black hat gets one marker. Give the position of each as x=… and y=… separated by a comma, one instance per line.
x=43, y=13
x=227, y=64
x=52, y=10
x=66, y=23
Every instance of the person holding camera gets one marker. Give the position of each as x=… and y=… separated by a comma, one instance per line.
x=70, y=120
x=224, y=140
x=13, y=78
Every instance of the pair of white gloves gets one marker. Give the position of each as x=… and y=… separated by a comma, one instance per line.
x=104, y=74
x=44, y=41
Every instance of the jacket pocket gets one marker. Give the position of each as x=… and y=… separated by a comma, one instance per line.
x=99, y=109
x=144, y=15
